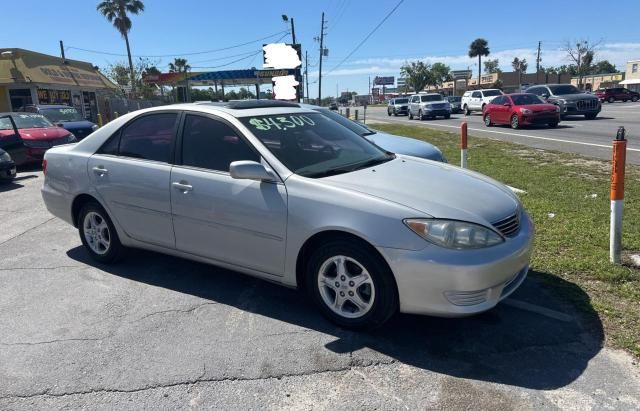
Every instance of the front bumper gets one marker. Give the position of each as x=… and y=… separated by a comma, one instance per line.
x=435, y=112
x=401, y=109
x=579, y=107
x=544, y=118
x=452, y=283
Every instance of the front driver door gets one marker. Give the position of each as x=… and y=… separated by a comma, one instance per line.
x=242, y=222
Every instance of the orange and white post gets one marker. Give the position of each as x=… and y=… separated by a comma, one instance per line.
x=463, y=144
x=617, y=195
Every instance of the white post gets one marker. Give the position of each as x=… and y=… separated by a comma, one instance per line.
x=615, y=233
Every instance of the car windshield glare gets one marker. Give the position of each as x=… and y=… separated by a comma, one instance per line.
x=490, y=93
x=351, y=125
x=62, y=114
x=524, y=99
x=312, y=145
x=25, y=121
x=401, y=101
x=431, y=97
x=564, y=89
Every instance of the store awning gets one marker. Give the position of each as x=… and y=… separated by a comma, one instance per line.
x=19, y=66
x=227, y=77
x=630, y=81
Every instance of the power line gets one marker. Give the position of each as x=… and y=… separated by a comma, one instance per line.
x=367, y=37
x=229, y=63
x=286, y=32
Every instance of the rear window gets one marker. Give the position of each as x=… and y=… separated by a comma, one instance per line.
x=25, y=120
x=431, y=97
x=401, y=101
x=491, y=93
x=564, y=89
x=523, y=99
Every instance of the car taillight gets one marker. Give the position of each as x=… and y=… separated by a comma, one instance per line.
x=44, y=166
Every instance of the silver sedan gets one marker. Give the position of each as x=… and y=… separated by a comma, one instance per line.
x=284, y=193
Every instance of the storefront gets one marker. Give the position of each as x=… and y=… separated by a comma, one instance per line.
x=27, y=77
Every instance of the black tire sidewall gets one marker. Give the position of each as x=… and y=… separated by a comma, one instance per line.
x=386, y=296
x=116, y=249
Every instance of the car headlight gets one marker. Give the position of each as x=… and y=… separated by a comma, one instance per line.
x=562, y=101
x=5, y=156
x=557, y=109
x=71, y=138
x=525, y=111
x=94, y=127
x=454, y=234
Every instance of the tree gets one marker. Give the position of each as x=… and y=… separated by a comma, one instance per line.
x=479, y=48
x=492, y=66
x=519, y=65
x=179, y=65
x=581, y=53
x=440, y=73
x=116, y=11
x=418, y=75
x=118, y=73
x=603, y=67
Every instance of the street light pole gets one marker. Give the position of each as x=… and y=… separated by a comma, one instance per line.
x=320, y=68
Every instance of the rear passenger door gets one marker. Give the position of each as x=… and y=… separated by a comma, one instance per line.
x=131, y=173
x=242, y=222
x=476, y=100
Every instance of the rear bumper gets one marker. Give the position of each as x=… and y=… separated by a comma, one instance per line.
x=453, y=283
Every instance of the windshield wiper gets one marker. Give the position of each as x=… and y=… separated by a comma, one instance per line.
x=368, y=133
x=373, y=162
x=327, y=173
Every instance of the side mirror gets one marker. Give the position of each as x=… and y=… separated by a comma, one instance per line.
x=60, y=125
x=544, y=95
x=249, y=170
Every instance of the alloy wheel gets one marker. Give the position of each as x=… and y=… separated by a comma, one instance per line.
x=487, y=120
x=346, y=287
x=514, y=122
x=96, y=232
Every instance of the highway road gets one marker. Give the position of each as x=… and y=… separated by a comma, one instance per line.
x=574, y=135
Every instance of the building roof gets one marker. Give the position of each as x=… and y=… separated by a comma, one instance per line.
x=24, y=66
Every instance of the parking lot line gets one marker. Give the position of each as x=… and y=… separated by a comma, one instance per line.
x=559, y=140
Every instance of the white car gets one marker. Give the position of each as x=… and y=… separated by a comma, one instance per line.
x=475, y=100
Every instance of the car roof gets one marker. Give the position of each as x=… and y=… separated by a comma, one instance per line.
x=238, y=108
x=49, y=105
x=19, y=113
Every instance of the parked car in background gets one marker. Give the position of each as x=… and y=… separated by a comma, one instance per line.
x=455, y=102
x=475, y=100
x=616, y=94
x=395, y=144
x=64, y=116
x=398, y=106
x=26, y=136
x=569, y=98
x=428, y=105
x=7, y=167
x=333, y=106
x=364, y=232
x=520, y=109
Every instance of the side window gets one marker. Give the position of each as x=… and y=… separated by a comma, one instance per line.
x=149, y=137
x=476, y=94
x=535, y=90
x=212, y=144
x=498, y=100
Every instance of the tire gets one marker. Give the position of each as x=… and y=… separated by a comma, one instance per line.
x=487, y=120
x=410, y=115
x=377, y=296
x=591, y=116
x=611, y=100
x=515, y=122
x=98, y=235
x=467, y=112
x=553, y=125
x=420, y=115
x=395, y=113
x=634, y=99
x=483, y=107
x=624, y=100
x=389, y=113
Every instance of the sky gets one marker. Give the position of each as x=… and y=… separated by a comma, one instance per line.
x=432, y=31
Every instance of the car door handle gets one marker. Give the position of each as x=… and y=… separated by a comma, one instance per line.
x=182, y=186
x=100, y=171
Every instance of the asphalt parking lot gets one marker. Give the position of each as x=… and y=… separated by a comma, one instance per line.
x=160, y=332
x=573, y=135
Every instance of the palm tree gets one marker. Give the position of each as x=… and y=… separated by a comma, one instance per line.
x=180, y=65
x=478, y=48
x=116, y=11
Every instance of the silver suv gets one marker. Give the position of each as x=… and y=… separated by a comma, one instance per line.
x=397, y=106
x=428, y=105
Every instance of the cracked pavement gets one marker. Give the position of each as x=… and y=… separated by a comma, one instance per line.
x=161, y=332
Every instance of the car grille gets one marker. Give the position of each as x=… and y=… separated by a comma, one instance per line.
x=467, y=298
x=437, y=106
x=508, y=226
x=590, y=104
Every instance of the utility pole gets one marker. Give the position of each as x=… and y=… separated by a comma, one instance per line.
x=293, y=32
x=538, y=63
x=306, y=72
x=320, y=68
x=64, y=60
x=369, y=96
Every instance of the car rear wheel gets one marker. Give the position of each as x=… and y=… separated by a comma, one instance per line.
x=466, y=110
x=554, y=124
x=487, y=120
x=98, y=234
x=590, y=116
x=351, y=285
x=624, y=100
x=634, y=99
x=420, y=115
x=515, y=122
x=611, y=100
x=389, y=112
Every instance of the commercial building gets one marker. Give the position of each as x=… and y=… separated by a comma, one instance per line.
x=28, y=77
x=596, y=81
x=632, y=76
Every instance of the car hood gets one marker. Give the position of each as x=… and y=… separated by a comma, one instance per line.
x=574, y=97
x=406, y=145
x=436, y=189
x=48, y=133
x=76, y=125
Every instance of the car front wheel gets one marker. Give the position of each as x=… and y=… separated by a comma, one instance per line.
x=410, y=115
x=611, y=100
x=634, y=99
x=515, y=122
x=466, y=110
x=591, y=116
x=487, y=120
x=98, y=234
x=351, y=285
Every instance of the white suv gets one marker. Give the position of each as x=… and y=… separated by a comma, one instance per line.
x=475, y=100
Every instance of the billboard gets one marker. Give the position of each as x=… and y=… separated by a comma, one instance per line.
x=461, y=74
x=384, y=81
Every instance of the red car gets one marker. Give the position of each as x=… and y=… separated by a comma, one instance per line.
x=26, y=136
x=616, y=94
x=520, y=109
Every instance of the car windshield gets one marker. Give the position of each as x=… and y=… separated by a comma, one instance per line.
x=522, y=99
x=401, y=101
x=62, y=114
x=431, y=97
x=25, y=121
x=490, y=93
x=454, y=99
x=357, y=128
x=312, y=145
x=564, y=89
